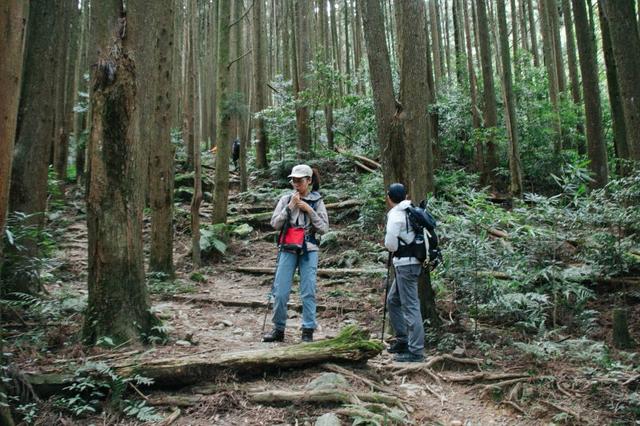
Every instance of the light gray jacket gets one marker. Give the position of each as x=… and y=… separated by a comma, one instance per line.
x=397, y=229
x=315, y=222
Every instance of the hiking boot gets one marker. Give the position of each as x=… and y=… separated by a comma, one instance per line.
x=398, y=347
x=307, y=334
x=408, y=357
x=274, y=336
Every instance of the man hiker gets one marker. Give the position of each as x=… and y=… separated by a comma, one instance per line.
x=402, y=299
x=235, y=153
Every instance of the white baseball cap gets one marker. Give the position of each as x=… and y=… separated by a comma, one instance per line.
x=301, y=170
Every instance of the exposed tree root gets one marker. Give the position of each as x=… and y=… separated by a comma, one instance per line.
x=483, y=376
x=373, y=385
x=562, y=410
x=322, y=396
x=255, y=304
x=424, y=366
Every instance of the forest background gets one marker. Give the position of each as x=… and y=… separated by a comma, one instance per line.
x=518, y=121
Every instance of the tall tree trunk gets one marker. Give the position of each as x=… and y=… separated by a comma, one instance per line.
x=437, y=49
x=155, y=64
x=13, y=19
x=554, y=27
x=328, y=108
x=286, y=46
x=59, y=137
x=189, y=85
x=414, y=89
x=615, y=100
x=490, y=106
x=79, y=118
x=303, y=62
x=28, y=188
x=533, y=33
x=118, y=303
x=515, y=168
x=347, y=48
x=596, y=147
x=458, y=43
x=196, y=200
x=476, y=118
x=550, y=63
x=514, y=34
x=221, y=191
x=625, y=41
x=386, y=107
x=259, y=85
x=574, y=77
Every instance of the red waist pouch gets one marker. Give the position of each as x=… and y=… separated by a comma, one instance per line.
x=292, y=239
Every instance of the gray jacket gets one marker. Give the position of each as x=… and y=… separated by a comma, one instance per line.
x=315, y=222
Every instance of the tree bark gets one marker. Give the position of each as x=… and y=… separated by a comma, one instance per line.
x=596, y=146
x=118, y=303
x=386, y=107
x=414, y=89
x=550, y=63
x=574, y=77
x=259, y=87
x=625, y=42
x=615, y=100
x=221, y=190
x=33, y=141
x=533, y=33
x=13, y=19
x=515, y=167
x=303, y=67
x=154, y=60
x=436, y=40
x=490, y=106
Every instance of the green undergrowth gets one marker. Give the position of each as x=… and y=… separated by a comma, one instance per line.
x=350, y=337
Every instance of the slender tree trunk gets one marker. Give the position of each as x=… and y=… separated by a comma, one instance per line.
x=28, y=188
x=515, y=168
x=476, y=117
x=625, y=42
x=286, y=47
x=533, y=33
x=458, y=43
x=490, y=106
x=596, y=147
x=196, y=200
x=189, y=85
x=259, y=87
x=221, y=191
x=303, y=62
x=617, y=111
x=386, y=107
x=118, y=303
x=550, y=63
x=554, y=27
x=574, y=77
x=328, y=108
x=79, y=118
x=155, y=99
x=514, y=34
x=437, y=50
x=13, y=19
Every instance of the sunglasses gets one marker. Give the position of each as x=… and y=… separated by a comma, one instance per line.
x=298, y=180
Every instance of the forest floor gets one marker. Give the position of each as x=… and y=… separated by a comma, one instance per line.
x=202, y=319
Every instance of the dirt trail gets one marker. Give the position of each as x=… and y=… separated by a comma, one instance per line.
x=198, y=324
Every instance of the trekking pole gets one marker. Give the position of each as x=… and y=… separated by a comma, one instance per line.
x=386, y=294
x=270, y=294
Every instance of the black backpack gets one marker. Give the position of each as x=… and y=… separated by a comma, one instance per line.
x=424, y=247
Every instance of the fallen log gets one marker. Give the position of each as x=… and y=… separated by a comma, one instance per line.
x=351, y=345
x=371, y=164
x=323, y=272
x=265, y=216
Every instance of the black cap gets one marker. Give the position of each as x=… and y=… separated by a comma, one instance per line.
x=397, y=193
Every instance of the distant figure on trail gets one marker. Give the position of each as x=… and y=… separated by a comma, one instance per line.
x=300, y=216
x=235, y=152
x=402, y=297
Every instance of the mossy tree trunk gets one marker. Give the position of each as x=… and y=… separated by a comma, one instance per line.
x=118, y=304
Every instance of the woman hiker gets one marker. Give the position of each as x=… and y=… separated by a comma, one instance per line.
x=303, y=216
